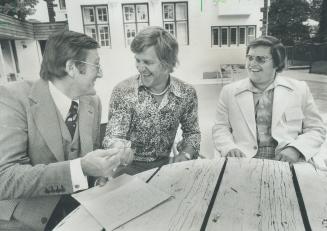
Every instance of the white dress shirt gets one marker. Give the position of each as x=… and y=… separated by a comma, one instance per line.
x=62, y=102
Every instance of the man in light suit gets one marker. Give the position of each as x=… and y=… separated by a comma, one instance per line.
x=265, y=115
x=49, y=129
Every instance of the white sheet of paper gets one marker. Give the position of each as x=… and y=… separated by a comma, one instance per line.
x=120, y=200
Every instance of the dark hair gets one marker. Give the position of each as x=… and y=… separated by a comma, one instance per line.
x=60, y=48
x=165, y=45
x=277, y=50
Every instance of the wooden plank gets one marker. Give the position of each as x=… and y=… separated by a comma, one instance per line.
x=192, y=184
x=313, y=186
x=81, y=220
x=256, y=195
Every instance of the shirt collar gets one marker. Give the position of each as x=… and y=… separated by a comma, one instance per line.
x=175, y=86
x=246, y=85
x=61, y=101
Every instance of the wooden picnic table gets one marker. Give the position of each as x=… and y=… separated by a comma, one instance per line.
x=228, y=194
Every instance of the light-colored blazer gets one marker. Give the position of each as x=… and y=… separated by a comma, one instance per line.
x=33, y=169
x=295, y=119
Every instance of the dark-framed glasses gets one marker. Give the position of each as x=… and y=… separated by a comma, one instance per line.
x=99, y=69
x=258, y=58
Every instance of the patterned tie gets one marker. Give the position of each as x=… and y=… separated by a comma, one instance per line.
x=72, y=118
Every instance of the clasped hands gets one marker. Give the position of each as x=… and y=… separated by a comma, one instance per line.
x=103, y=162
x=288, y=154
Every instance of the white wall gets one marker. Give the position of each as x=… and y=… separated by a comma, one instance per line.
x=41, y=13
x=29, y=59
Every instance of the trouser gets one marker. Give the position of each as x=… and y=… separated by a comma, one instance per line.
x=65, y=205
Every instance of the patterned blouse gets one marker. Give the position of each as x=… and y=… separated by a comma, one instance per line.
x=135, y=115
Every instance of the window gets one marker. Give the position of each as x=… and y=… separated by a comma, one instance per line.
x=242, y=35
x=136, y=18
x=251, y=33
x=62, y=4
x=215, y=36
x=96, y=23
x=175, y=20
x=224, y=36
x=232, y=35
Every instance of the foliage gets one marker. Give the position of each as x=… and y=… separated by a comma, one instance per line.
x=286, y=19
x=18, y=8
x=322, y=31
x=315, y=6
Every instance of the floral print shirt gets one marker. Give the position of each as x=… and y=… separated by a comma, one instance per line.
x=135, y=115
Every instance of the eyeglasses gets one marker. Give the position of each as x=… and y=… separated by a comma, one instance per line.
x=259, y=59
x=99, y=69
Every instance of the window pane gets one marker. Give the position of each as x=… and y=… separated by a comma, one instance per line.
x=215, y=36
x=88, y=15
x=251, y=34
x=181, y=11
x=233, y=35
x=129, y=14
x=130, y=32
x=182, y=33
x=169, y=26
x=104, y=35
x=168, y=11
x=242, y=35
x=224, y=36
x=102, y=14
x=91, y=31
x=142, y=13
x=62, y=4
x=141, y=26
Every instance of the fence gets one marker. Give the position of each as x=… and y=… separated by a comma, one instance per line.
x=305, y=54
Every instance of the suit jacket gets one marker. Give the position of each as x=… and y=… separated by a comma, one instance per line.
x=33, y=169
x=295, y=119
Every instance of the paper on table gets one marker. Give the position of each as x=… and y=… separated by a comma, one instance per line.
x=120, y=200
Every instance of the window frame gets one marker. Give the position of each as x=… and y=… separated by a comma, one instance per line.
x=229, y=34
x=236, y=35
x=135, y=22
x=97, y=25
x=218, y=36
x=62, y=4
x=175, y=21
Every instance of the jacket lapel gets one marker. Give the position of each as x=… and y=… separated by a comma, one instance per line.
x=45, y=116
x=86, y=118
x=245, y=102
x=282, y=94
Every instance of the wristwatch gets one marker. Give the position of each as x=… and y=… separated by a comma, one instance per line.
x=187, y=155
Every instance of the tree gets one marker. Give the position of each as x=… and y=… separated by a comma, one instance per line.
x=286, y=19
x=18, y=8
x=322, y=31
x=315, y=6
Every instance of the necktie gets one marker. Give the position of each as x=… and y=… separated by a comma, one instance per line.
x=72, y=118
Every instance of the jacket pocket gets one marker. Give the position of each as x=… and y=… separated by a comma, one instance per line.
x=293, y=120
x=293, y=114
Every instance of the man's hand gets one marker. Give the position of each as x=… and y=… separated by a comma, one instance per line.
x=125, y=152
x=289, y=154
x=235, y=153
x=100, y=162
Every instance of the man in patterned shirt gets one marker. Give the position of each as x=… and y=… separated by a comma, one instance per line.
x=146, y=110
x=268, y=116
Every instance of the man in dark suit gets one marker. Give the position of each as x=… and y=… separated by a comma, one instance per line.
x=49, y=129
